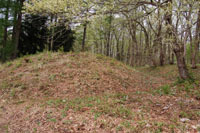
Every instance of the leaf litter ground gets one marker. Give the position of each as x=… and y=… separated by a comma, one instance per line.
x=82, y=92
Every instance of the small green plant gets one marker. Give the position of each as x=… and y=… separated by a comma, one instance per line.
x=124, y=112
x=56, y=102
x=172, y=128
x=119, y=128
x=52, y=120
x=61, y=50
x=96, y=115
x=52, y=77
x=13, y=92
x=159, y=126
x=49, y=53
x=18, y=64
x=188, y=115
x=100, y=57
x=9, y=64
x=112, y=62
x=35, y=130
x=164, y=90
x=6, y=128
x=126, y=124
x=39, y=58
x=4, y=85
x=182, y=81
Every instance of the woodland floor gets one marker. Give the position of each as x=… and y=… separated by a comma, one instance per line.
x=82, y=92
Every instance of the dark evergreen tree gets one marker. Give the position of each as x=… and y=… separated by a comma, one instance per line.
x=33, y=35
x=64, y=38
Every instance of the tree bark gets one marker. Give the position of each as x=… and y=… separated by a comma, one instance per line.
x=84, y=36
x=196, y=43
x=159, y=37
x=122, y=49
x=109, y=36
x=182, y=68
x=18, y=29
x=5, y=36
x=178, y=49
x=14, y=21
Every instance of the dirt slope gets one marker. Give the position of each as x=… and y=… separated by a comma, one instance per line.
x=63, y=93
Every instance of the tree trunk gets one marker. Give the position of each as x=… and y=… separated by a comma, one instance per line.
x=196, y=43
x=84, y=36
x=159, y=37
x=162, y=60
x=18, y=29
x=14, y=21
x=182, y=68
x=118, y=51
x=5, y=36
x=129, y=52
x=6, y=25
x=191, y=46
x=109, y=36
x=178, y=49
x=122, y=49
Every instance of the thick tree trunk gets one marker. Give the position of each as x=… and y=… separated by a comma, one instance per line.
x=182, y=67
x=134, y=47
x=178, y=49
x=154, y=54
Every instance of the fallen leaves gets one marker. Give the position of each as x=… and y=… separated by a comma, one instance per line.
x=102, y=94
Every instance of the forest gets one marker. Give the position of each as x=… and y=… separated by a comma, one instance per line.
x=103, y=52
x=138, y=33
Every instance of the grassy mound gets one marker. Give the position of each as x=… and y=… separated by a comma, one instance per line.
x=82, y=92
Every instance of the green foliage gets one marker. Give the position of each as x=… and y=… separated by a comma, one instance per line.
x=18, y=64
x=10, y=8
x=9, y=64
x=165, y=90
x=182, y=81
x=36, y=33
x=7, y=51
x=13, y=92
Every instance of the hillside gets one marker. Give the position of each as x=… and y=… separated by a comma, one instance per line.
x=82, y=92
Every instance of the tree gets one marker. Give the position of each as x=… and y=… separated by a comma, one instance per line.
x=196, y=43
x=151, y=20
x=33, y=35
x=18, y=28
